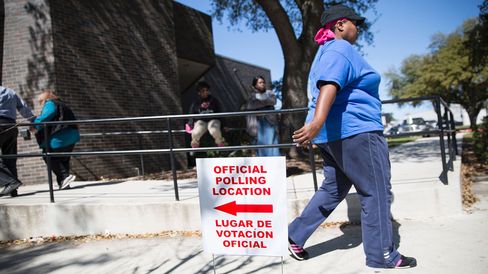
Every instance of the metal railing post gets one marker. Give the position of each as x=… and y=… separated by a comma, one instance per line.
x=453, y=127
x=172, y=160
x=48, y=162
x=449, y=141
x=141, y=156
x=443, y=176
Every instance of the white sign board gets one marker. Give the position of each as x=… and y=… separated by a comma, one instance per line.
x=243, y=205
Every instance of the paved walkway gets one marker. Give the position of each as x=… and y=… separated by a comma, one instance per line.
x=455, y=243
x=415, y=165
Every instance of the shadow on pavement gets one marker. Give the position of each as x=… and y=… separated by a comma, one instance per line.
x=236, y=265
x=21, y=260
x=420, y=152
x=352, y=236
x=114, y=182
x=32, y=193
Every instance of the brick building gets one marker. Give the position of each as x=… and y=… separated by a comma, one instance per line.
x=109, y=59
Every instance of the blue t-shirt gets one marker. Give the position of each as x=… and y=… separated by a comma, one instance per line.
x=357, y=107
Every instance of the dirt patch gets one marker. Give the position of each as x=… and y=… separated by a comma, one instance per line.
x=471, y=167
x=89, y=238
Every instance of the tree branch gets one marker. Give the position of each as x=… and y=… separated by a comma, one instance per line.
x=311, y=11
x=282, y=25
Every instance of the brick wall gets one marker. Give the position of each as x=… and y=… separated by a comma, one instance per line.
x=116, y=59
x=105, y=59
x=28, y=66
x=2, y=19
x=110, y=59
x=194, y=38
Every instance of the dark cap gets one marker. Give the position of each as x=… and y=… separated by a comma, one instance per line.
x=340, y=11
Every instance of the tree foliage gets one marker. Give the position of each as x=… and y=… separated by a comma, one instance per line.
x=295, y=23
x=254, y=17
x=454, y=69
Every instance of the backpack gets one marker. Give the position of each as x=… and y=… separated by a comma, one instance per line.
x=63, y=113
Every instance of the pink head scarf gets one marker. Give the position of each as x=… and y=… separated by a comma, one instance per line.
x=325, y=34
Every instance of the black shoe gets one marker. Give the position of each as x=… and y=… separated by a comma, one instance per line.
x=406, y=262
x=297, y=251
x=14, y=193
x=10, y=187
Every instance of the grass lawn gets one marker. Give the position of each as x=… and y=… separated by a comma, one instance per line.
x=468, y=137
x=393, y=142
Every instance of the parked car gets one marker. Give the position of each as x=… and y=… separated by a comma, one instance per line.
x=414, y=125
x=418, y=124
x=430, y=125
x=392, y=130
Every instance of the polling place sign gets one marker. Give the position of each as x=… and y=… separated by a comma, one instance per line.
x=243, y=205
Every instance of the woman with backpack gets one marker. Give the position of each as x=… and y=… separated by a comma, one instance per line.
x=62, y=138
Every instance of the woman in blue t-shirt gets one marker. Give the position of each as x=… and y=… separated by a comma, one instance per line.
x=62, y=138
x=344, y=121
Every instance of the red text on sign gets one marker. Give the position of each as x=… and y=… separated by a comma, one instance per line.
x=239, y=169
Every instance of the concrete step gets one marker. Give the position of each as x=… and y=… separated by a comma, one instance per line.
x=136, y=207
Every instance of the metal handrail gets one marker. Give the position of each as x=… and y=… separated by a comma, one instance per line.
x=165, y=117
x=446, y=119
x=171, y=150
x=438, y=101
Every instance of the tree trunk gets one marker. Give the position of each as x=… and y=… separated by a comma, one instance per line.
x=473, y=114
x=472, y=121
x=295, y=80
x=473, y=103
x=298, y=54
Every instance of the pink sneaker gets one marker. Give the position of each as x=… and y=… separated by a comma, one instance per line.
x=297, y=252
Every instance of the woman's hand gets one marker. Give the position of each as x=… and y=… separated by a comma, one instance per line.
x=304, y=135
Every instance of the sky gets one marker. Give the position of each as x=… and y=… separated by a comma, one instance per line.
x=403, y=28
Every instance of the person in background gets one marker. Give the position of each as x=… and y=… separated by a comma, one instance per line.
x=205, y=103
x=10, y=103
x=62, y=138
x=263, y=127
x=344, y=121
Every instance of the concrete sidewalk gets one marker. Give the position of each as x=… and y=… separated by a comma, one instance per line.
x=137, y=207
x=454, y=244
x=430, y=226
